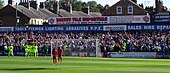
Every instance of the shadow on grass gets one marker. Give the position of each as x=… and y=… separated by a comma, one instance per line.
x=20, y=69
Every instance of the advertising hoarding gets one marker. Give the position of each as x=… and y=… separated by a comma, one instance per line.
x=161, y=18
x=129, y=19
x=58, y=28
x=99, y=20
x=6, y=29
x=114, y=27
x=78, y=20
x=133, y=54
x=148, y=27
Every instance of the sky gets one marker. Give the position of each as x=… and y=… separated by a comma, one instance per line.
x=111, y=2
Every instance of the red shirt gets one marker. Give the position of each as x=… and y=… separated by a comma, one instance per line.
x=54, y=52
x=60, y=52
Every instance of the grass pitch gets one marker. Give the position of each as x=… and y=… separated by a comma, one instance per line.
x=83, y=65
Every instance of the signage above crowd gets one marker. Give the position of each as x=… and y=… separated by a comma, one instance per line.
x=58, y=28
x=99, y=20
x=161, y=19
x=90, y=28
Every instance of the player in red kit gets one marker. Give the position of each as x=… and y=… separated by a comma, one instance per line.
x=59, y=55
x=54, y=53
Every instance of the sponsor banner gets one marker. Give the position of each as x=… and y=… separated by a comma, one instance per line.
x=83, y=54
x=20, y=28
x=6, y=29
x=114, y=28
x=158, y=27
x=40, y=29
x=161, y=18
x=163, y=55
x=22, y=53
x=41, y=53
x=78, y=20
x=148, y=27
x=132, y=54
x=67, y=28
x=129, y=19
x=99, y=20
x=59, y=28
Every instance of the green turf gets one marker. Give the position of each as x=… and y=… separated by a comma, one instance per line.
x=83, y=65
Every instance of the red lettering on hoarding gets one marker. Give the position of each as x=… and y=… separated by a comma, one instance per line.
x=81, y=19
x=63, y=19
x=95, y=19
x=134, y=18
x=76, y=19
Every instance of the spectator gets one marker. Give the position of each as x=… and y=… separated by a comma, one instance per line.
x=136, y=41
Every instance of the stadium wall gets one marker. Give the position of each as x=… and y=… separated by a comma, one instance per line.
x=146, y=55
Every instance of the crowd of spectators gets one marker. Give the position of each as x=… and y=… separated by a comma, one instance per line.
x=113, y=41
